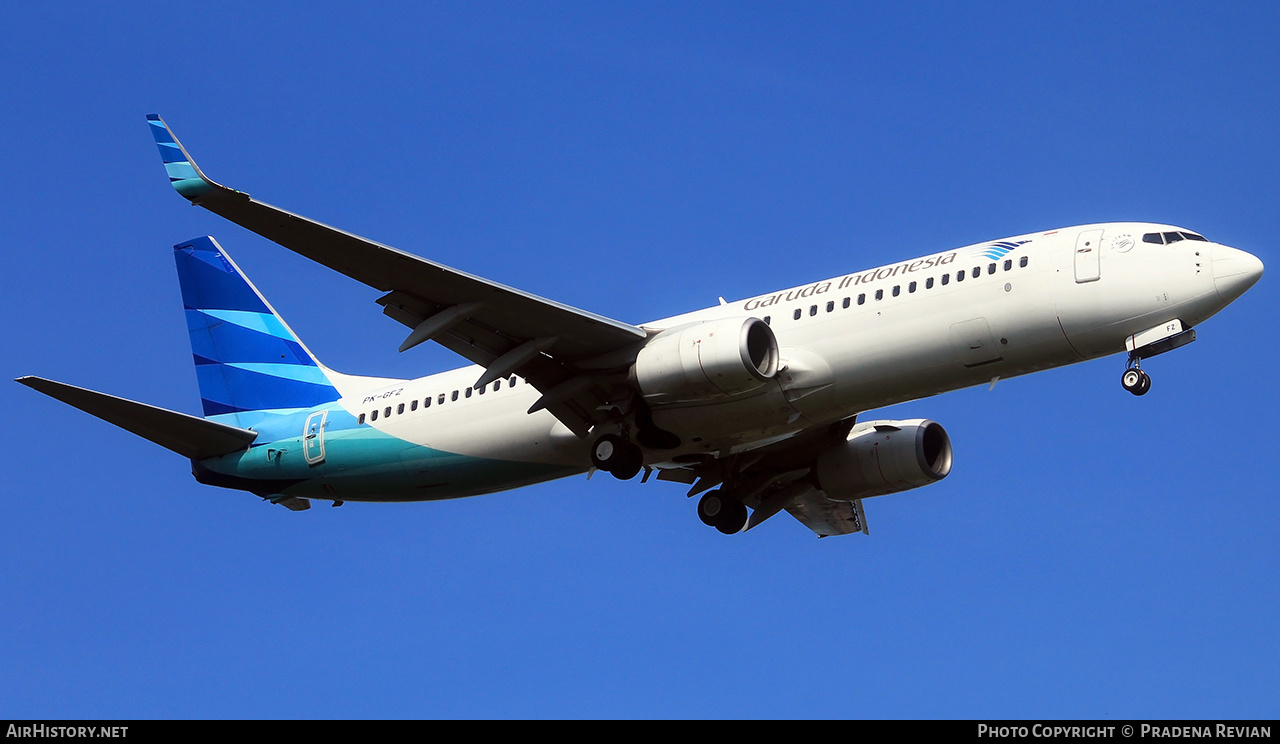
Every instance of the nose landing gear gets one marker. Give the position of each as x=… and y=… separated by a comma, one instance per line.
x=1134, y=379
x=1164, y=337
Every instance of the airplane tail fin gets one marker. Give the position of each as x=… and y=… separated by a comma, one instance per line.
x=246, y=358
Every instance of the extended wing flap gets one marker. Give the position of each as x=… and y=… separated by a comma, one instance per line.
x=189, y=436
x=826, y=517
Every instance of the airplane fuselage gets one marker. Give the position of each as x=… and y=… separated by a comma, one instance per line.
x=848, y=344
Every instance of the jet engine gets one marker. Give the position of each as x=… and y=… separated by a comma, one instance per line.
x=710, y=360
x=880, y=457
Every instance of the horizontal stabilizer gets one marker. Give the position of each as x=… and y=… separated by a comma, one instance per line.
x=189, y=436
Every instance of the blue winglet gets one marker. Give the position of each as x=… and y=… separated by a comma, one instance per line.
x=183, y=172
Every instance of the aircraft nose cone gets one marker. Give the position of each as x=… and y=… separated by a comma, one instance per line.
x=1234, y=271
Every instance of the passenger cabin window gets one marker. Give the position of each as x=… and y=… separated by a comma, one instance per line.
x=400, y=408
x=991, y=268
x=387, y=412
x=946, y=279
x=831, y=305
x=374, y=416
x=862, y=298
x=928, y=283
x=976, y=271
x=896, y=289
x=879, y=294
x=796, y=315
x=454, y=396
x=1022, y=262
x=361, y=418
x=1008, y=264
x=911, y=287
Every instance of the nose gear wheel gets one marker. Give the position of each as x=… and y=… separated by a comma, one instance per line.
x=1134, y=379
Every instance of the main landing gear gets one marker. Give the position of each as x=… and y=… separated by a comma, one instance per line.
x=1134, y=379
x=617, y=456
x=723, y=512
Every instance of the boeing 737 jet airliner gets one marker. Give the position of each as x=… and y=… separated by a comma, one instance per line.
x=753, y=404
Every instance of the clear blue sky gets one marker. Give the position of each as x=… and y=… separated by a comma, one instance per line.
x=1092, y=554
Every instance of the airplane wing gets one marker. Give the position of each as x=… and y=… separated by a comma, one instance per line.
x=561, y=350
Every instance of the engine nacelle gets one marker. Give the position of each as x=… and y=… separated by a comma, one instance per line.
x=880, y=457
x=707, y=361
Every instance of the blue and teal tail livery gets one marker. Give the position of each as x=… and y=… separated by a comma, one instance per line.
x=246, y=358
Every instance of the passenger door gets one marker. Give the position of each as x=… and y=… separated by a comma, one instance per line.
x=1088, y=256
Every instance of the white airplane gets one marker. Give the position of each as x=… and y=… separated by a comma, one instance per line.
x=752, y=403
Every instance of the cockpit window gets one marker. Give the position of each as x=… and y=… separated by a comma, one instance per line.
x=1172, y=237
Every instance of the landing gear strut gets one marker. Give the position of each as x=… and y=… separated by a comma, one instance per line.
x=723, y=512
x=620, y=458
x=1134, y=379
